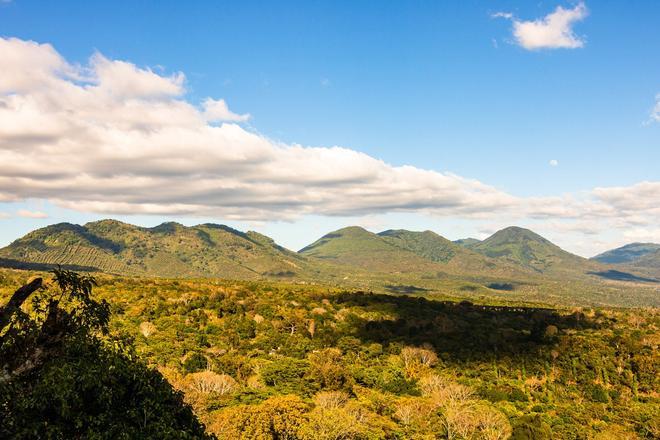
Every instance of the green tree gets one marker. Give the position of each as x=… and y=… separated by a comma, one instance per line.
x=64, y=375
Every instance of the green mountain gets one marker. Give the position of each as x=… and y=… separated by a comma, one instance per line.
x=426, y=244
x=402, y=251
x=629, y=253
x=349, y=256
x=467, y=242
x=528, y=249
x=355, y=246
x=453, y=257
x=640, y=258
x=167, y=250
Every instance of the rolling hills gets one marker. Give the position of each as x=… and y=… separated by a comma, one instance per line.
x=402, y=251
x=513, y=263
x=167, y=250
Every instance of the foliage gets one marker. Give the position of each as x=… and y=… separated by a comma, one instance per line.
x=391, y=366
x=65, y=376
x=531, y=427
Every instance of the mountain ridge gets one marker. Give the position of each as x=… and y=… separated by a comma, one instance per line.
x=214, y=250
x=628, y=253
x=639, y=257
x=168, y=250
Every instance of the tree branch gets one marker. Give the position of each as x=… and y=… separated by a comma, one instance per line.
x=17, y=300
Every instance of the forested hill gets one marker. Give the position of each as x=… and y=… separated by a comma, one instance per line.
x=528, y=249
x=642, y=257
x=403, y=251
x=629, y=253
x=167, y=250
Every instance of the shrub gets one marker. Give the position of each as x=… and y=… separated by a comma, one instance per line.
x=531, y=427
x=194, y=363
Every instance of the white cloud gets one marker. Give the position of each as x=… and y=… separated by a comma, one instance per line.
x=507, y=15
x=31, y=214
x=113, y=138
x=554, y=162
x=643, y=235
x=554, y=31
x=120, y=79
x=630, y=201
x=216, y=110
x=655, y=112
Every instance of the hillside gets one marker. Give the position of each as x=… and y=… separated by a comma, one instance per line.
x=528, y=249
x=513, y=263
x=454, y=258
x=648, y=264
x=426, y=244
x=402, y=251
x=650, y=260
x=167, y=250
x=629, y=253
x=357, y=247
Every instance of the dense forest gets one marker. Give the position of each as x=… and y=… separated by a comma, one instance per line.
x=267, y=360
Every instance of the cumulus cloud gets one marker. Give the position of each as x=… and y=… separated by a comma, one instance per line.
x=554, y=162
x=114, y=138
x=554, y=31
x=631, y=201
x=216, y=110
x=643, y=235
x=31, y=214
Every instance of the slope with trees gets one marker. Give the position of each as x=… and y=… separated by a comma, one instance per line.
x=65, y=375
x=262, y=360
x=169, y=250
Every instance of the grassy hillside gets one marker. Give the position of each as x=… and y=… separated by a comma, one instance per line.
x=426, y=244
x=648, y=264
x=454, y=259
x=170, y=250
x=629, y=253
x=355, y=246
x=405, y=252
x=643, y=258
x=528, y=249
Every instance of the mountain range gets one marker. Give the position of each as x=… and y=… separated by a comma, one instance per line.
x=211, y=250
x=167, y=250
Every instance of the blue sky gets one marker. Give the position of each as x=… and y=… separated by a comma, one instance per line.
x=441, y=86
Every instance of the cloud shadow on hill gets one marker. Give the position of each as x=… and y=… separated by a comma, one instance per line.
x=460, y=331
x=617, y=275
